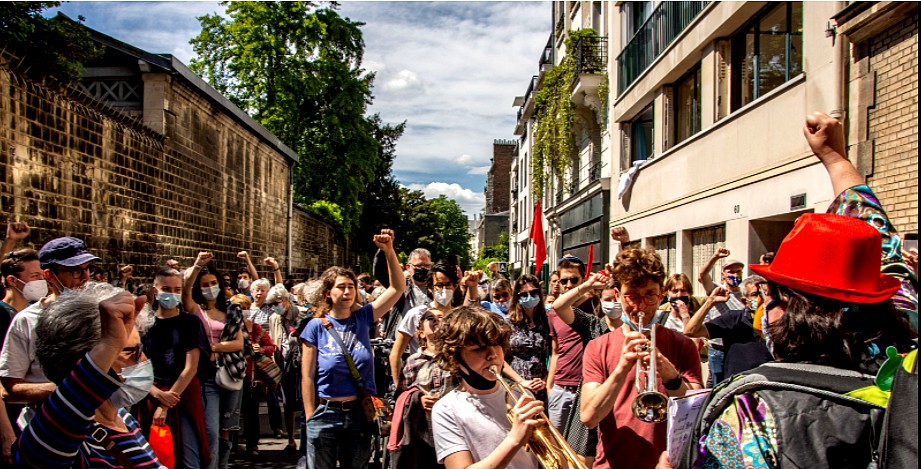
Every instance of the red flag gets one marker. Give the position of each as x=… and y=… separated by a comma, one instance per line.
x=590, y=258
x=537, y=235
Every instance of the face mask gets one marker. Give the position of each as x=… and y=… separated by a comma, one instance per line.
x=211, y=292
x=34, y=290
x=529, y=302
x=611, y=309
x=279, y=309
x=474, y=379
x=686, y=299
x=242, y=284
x=752, y=303
x=764, y=326
x=548, y=307
x=503, y=306
x=420, y=275
x=168, y=300
x=138, y=379
x=626, y=319
x=63, y=288
x=733, y=280
x=444, y=296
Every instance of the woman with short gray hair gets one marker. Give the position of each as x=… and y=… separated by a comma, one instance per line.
x=87, y=344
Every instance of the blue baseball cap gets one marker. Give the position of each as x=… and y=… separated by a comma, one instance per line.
x=66, y=251
x=572, y=259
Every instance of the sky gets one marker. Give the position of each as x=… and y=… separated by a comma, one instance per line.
x=450, y=70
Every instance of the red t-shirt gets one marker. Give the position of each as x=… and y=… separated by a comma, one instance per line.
x=621, y=436
x=570, y=346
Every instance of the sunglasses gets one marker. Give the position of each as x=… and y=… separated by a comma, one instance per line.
x=529, y=294
x=570, y=280
x=135, y=352
x=501, y=296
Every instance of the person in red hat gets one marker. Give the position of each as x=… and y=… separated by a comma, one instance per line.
x=831, y=313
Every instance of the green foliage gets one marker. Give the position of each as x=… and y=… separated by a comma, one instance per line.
x=328, y=210
x=554, y=143
x=54, y=48
x=438, y=225
x=381, y=198
x=296, y=68
x=497, y=251
x=604, y=91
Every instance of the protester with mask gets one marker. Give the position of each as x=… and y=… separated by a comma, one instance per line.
x=416, y=292
x=679, y=302
x=443, y=282
x=259, y=314
x=281, y=330
x=203, y=296
x=176, y=344
x=500, y=292
x=730, y=280
x=24, y=282
x=529, y=342
x=65, y=264
x=87, y=344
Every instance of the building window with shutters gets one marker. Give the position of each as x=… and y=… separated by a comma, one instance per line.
x=642, y=136
x=767, y=52
x=687, y=105
x=666, y=249
x=704, y=242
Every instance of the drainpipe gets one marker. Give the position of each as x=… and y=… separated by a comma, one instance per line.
x=290, y=267
x=842, y=82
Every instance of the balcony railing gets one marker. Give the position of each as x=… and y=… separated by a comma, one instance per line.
x=591, y=55
x=594, y=171
x=665, y=23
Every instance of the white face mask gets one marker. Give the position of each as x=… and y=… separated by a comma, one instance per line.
x=243, y=284
x=34, y=290
x=611, y=309
x=211, y=292
x=444, y=296
x=138, y=379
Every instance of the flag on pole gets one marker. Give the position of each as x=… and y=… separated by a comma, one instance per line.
x=537, y=235
x=590, y=257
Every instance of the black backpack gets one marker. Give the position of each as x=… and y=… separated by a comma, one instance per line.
x=817, y=425
x=899, y=445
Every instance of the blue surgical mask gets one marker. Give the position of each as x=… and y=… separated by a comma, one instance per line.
x=168, y=300
x=279, y=309
x=503, y=306
x=138, y=380
x=211, y=293
x=626, y=319
x=548, y=306
x=63, y=288
x=765, y=331
x=529, y=302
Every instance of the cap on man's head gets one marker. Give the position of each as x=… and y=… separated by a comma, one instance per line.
x=574, y=260
x=732, y=262
x=66, y=251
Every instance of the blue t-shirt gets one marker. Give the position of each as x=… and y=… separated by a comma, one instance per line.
x=333, y=376
x=490, y=306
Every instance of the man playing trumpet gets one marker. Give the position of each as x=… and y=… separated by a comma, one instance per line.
x=609, y=366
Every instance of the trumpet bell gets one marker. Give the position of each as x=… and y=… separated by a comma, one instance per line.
x=651, y=407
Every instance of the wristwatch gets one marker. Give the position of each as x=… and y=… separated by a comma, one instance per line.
x=674, y=384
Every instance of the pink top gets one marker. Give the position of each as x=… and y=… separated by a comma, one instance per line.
x=213, y=327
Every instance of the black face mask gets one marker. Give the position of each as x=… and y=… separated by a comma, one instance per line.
x=474, y=379
x=420, y=275
x=686, y=299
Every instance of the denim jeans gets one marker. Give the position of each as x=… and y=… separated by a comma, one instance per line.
x=222, y=412
x=335, y=435
x=715, y=361
x=560, y=406
x=189, y=454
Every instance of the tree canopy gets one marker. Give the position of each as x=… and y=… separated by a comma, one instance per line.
x=296, y=68
x=438, y=225
x=53, y=48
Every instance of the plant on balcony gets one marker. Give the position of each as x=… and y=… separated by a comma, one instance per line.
x=554, y=143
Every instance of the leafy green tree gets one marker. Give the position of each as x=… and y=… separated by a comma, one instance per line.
x=497, y=251
x=54, y=48
x=296, y=68
x=381, y=202
x=438, y=225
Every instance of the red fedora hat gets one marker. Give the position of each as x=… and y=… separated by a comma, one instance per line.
x=831, y=256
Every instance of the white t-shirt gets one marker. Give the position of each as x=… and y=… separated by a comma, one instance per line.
x=477, y=423
x=410, y=324
x=17, y=360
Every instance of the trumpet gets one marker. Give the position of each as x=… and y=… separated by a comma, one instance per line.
x=650, y=405
x=546, y=443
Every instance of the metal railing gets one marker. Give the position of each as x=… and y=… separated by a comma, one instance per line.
x=665, y=23
x=591, y=55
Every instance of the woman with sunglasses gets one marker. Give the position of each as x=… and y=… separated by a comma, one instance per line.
x=529, y=344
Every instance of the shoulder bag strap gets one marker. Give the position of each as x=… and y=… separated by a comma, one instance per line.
x=101, y=435
x=348, y=356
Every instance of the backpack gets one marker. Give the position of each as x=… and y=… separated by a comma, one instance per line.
x=899, y=441
x=817, y=425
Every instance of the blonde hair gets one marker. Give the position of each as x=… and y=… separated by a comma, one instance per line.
x=242, y=300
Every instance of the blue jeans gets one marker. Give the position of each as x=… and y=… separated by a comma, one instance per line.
x=715, y=361
x=222, y=413
x=190, y=451
x=335, y=435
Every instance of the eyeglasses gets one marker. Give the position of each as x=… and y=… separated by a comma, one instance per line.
x=639, y=300
x=501, y=296
x=135, y=352
x=421, y=266
x=74, y=272
x=570, y=280
x=529, y=294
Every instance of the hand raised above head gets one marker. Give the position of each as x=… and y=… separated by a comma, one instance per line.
x=17, y=230
x=721, y=253
x=203, y=258
x=243, y=255
x=619, y=234
x=117, y=318
x=384, y=241
x=719, y=295
x=271, y=262
x=825, y=136
x=472, y=278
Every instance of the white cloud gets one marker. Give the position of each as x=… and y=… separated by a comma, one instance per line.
x=404, y=80
x=472, y=202
x=465, y=160
x=478, y=170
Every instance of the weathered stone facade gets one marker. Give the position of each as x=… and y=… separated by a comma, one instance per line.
x=194, y=175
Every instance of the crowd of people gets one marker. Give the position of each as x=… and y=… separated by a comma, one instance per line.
x=802, y=354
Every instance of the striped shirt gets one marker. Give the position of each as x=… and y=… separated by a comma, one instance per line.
x=60, y=433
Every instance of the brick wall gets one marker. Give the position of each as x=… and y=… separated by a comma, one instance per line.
x=498, y=179
x=893, y=121
x=72, y=166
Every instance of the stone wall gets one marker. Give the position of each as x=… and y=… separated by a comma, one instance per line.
x=72, y=166
x=498, y=179
x=893, y=121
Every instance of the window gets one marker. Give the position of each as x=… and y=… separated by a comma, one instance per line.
x=641, y=137
x=687, y=105
x=665, y=248
x=704, y=242
x=633, y=15
x=767, y=52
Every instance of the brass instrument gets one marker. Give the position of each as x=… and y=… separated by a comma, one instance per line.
x=546, y=442
x=650, y=405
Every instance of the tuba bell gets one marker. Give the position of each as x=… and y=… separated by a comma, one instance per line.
x=650, y=405
x=546, y=443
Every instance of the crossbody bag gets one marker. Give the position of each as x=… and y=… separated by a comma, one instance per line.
x=367, y=400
